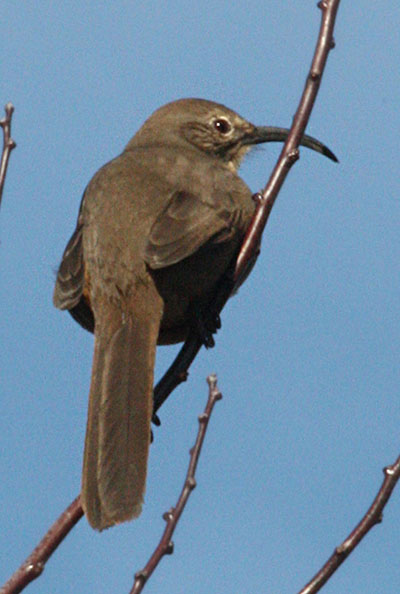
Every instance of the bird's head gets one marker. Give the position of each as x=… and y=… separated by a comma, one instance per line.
x=212, y=128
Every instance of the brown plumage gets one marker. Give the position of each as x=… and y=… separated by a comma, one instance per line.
x=157, y=228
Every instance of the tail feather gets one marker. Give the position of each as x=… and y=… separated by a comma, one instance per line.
x=118, y=431
x=90, y=494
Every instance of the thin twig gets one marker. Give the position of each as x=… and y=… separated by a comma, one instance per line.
x=290, y=151
x=166, y=546
x=8, y=145
x=178, y=372
x=34, y=564
x=372, y=517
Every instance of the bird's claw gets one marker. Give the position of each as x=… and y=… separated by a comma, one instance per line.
x=207, y=324
x=155, y=419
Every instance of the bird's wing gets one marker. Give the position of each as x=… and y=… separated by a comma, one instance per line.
x=184, y=226
x=70, y=283
x=71, y=273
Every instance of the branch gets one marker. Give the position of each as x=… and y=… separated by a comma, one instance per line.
x=166, y=546
x=8, y=145
x=373, y=516
x=34, y=564
x=178, y=372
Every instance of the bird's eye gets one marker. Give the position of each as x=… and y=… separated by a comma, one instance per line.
x=222, y=126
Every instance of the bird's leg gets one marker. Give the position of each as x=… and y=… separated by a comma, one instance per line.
x=205, y=321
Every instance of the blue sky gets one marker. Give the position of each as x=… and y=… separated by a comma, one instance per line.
x=307, y=358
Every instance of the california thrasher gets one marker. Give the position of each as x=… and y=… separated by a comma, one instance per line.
x=157, y=228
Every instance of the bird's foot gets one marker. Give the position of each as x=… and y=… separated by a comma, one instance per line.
x=207, y=321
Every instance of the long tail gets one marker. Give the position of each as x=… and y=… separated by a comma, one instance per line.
x=118, y=428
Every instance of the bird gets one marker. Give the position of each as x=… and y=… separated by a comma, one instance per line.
x=158, y=227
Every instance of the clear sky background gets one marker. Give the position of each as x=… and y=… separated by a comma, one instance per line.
x=308, y=356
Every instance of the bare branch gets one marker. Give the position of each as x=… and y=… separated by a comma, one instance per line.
x=166, y=546
x=265, y=200
x=8, y=145
x=34, y=564
x=290, y=150
x=373, y=516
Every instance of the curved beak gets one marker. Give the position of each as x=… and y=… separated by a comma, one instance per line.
x=272, y=134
